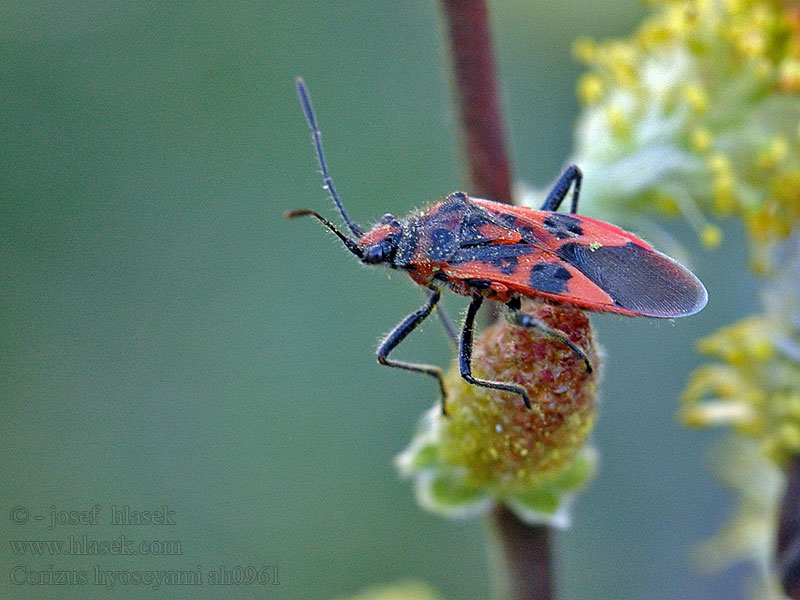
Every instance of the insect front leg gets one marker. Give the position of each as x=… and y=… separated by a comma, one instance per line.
x=399, y=333
x=465, y=356
x=559, y=190
x=520, y=319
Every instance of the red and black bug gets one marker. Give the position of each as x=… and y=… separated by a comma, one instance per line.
x=484, y=249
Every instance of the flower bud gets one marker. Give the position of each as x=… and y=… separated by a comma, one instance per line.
x=490, y=446
x=490, y=433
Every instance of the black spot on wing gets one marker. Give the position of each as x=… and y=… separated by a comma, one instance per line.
x=506, y=264
x=563, y=226
x=470, y=234
x=502, y=253
x=480, y=284
x=530, y=235
x=443, y=244
x=640, y=280
x=549, y=277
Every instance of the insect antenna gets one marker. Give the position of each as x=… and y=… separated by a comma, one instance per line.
x=308, y=111
x=351, y=245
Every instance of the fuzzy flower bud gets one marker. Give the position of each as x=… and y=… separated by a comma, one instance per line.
x=490, y=447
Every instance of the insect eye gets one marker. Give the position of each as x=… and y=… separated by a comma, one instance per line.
x=386, y=219
x=374, y=254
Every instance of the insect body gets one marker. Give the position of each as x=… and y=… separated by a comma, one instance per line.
x=487, y=250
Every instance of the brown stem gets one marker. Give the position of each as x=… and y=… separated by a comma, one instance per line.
x=476, y=88
x=521, y=558
x=521, y=553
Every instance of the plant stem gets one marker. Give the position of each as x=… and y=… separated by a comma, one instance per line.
x=521, y=558
x=788, y=547
x=520, y=553
x=476, y=89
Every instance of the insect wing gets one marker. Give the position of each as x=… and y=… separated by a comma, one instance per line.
x=581, y=261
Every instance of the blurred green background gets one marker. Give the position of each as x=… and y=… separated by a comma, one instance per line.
x=169, y=339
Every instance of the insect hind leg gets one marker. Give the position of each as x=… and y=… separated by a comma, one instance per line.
x=400, y=332
x=465, y=356
x=520, y=319
x=559, y=190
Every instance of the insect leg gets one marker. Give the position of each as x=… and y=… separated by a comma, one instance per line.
x=465, y=356
x=520, y=319
x=399, y=333
x=559, y=190
x=447, y=324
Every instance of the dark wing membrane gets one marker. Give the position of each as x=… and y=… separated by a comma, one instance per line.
x=642, y=281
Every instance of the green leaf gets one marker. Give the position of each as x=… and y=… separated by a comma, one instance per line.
x=448, y=495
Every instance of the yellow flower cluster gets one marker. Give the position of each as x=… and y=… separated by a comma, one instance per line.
x=697, y=114
x=717, y=84
x=749, y=532
x=403, y=590
x=755, y=388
